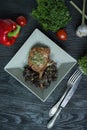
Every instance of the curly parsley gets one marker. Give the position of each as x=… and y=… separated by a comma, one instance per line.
x=51, y=14
x=83, y=64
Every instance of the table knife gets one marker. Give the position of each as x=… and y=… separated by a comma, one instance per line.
x=64, y=102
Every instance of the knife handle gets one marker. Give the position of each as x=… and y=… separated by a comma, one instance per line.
x=53, y=119
x=54, y=109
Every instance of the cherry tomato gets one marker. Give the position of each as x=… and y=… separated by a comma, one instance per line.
x=21, y=20
x=61, y=34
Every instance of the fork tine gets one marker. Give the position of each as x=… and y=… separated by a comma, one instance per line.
x=75, y=76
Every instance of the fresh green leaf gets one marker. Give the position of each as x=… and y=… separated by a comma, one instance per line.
x=83, y=64
x=51, y=14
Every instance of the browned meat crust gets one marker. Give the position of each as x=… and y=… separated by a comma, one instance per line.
x=38, y=58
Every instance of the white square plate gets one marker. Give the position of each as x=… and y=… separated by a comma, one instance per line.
x=16, y=65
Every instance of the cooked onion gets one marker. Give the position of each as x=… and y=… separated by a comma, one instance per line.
x=50, y=74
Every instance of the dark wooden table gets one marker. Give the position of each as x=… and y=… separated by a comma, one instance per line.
x=19, y=108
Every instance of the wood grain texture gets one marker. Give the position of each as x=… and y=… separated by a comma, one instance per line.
x=19, y=108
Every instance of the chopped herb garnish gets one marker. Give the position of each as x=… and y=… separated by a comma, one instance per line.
x=38, y=59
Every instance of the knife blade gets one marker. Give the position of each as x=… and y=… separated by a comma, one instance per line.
x=65, y=101
x=70, y=93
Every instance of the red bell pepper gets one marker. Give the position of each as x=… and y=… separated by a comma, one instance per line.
x=9, y=31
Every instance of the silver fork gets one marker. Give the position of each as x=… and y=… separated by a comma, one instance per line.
x=70, y=83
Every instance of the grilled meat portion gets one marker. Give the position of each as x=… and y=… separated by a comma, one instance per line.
x=38, y=58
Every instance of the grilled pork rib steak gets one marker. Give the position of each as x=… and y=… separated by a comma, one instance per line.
x=39, y=59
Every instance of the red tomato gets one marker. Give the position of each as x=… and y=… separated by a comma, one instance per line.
x=21, y=20
x=61, y=34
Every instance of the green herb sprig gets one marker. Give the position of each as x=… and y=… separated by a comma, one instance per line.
x=51, y=14
x=83, y=64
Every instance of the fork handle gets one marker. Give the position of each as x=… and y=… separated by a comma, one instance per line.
x=52, y=121
x=54, y=109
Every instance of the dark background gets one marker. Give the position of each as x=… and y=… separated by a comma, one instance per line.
x=19, y=108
